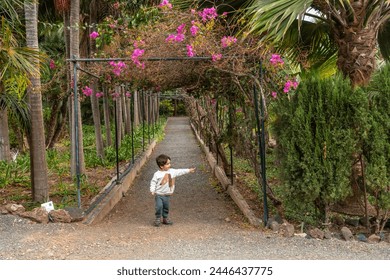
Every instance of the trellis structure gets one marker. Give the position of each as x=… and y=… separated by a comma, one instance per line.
x=259, y=112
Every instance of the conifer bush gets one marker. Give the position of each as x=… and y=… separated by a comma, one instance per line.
x=376, y=148
x=317, y=131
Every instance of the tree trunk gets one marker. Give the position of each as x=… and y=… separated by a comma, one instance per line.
x=5, y=152
x=39, y=178
x=96, y=121
x=106, y=112
x=74, y=53
x=357, y=50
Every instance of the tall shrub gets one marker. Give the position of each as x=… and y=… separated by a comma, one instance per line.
x=376, y=148
x=317, y=132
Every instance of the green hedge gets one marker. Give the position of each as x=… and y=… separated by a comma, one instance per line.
x=317, y=131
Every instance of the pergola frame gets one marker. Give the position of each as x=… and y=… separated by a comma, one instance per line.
x=259, y=120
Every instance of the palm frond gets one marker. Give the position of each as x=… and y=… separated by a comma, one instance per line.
x=273, y=18
x=383, y=40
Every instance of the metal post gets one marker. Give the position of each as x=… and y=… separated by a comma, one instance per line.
x=116, y=139
x=230, y=145
x=143, y=119
x=132, y=126
x=261, y=143
x=76, y=132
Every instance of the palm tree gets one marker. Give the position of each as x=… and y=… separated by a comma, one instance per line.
x=352, y=29
x=15, y=63
x=39, y=178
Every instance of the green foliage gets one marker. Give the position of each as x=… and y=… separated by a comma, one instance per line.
x=317, y=131
x=15, y=172
x=376, y=148
x=166, y=107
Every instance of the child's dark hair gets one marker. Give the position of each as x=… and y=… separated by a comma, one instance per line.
x=162, y=160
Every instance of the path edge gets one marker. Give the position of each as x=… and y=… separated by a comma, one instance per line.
x=231, y=189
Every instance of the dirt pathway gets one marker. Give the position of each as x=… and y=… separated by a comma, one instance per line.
x=207, y=225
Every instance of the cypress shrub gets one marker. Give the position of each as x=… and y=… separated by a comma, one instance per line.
x=317, y=130
x=376, y=148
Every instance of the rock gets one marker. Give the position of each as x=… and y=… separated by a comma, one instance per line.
x=302, y=234
x=361, y=237
x=287, y=230
x=316, y=233
x=38, y=215
x=373, y=238
x=15, y=208
x=60, y=216
x=346, y=233
x=77, y=214
x=275, y=226
x=327, y=234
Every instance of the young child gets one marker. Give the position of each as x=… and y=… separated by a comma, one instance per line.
x=162, y=187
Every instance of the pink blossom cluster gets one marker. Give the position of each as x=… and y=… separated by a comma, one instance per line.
x=208, y=14
x=194, y=28
x=227, y=41
x=52, y=64
x=115, y=95
x=179, y=36
x=190, y=51
x=216, y=57
x=118, y=67
x=87, y=91
x=165, y=4
x=290, y=84
x=99, y=94
x=128, y=94
x=137, y=53
x=94, y=35
x=276, y=60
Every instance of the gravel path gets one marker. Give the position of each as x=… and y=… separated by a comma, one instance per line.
x=207, y=225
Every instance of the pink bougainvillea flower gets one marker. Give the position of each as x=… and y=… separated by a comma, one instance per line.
x=118, y=67
x=181, y=29
x=165, y=4
x=115, y=95
x=194, y=30
x=295, y=84
x=179, y=38
x=274, y=94
x=52, y=64
x=87, y=91
x=137, y=53
x=190, y=51
x=208, y=14
x=216, y=57
x=193, y=11
x=287, y=86
x=99, y=94
x=227, y=41
x=171, y=38
x=276, y=59
x=94, y=35
x=128, y=94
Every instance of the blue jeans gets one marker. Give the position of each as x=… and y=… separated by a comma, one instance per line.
x=162, y=206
